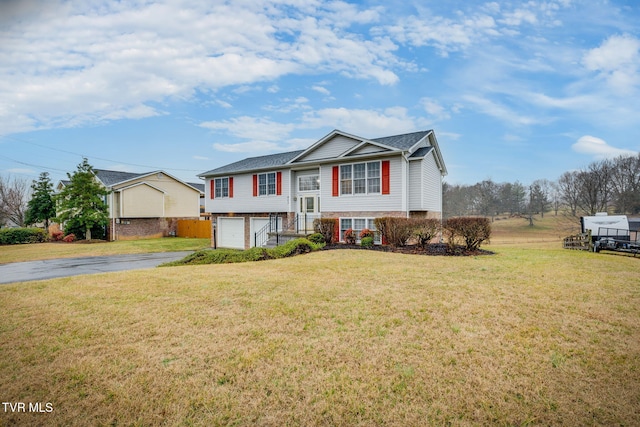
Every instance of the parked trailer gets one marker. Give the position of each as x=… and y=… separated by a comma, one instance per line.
x=611, y=232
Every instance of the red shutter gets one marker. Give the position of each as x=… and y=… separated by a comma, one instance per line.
x=255, y=185
x=279, y=183
x=336, y=182
x=213, y=188
x=336, y=231
x=385, y=177
x=230, y=186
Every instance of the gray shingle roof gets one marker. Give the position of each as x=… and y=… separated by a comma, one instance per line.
x=197, y=185
x=255, y=163
x=110, y=178
x=404, y=141
x=420, y=152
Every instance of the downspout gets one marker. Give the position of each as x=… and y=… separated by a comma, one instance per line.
x=407, y=190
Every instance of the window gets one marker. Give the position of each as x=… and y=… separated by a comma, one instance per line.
x=360, y=178
x=267, y=183
x=357, y=225
x=221, y=187
x=309, y=183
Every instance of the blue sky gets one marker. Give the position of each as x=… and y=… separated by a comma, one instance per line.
x=515, y=90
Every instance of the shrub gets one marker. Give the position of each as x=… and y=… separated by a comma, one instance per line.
x=14, y=236
x=366, y=242
x=397, y=231
x=69, y=238
x=316, y=238
x=469, y=231
x=226, y=256
x=326, y=227
x=56, y=236
x=425, y=229
x=350, y=236
x=366, y=233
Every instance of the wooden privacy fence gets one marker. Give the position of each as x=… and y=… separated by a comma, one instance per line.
x=580, y=241
x=194, y=228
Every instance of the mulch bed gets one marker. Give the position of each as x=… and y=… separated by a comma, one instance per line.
x=441, y=249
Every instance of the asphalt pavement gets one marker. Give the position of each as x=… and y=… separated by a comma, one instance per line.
x=64, y=267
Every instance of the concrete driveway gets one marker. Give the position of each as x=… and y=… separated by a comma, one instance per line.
x=64, y=267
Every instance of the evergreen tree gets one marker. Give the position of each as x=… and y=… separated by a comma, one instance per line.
x=82, y=201
x=41, y=207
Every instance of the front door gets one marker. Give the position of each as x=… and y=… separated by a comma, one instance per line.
x=308, y=210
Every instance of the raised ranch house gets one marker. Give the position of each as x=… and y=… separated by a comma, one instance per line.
x=146, y=205
x=342, y=176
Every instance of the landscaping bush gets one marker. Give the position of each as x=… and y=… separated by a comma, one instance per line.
x=69, y=238
x=56, y=236
x=14, y=236
x=366, y=233
x=349, y=236
x=226, y=256
x=316, y=238
x=469, y=231
x=425, y=229
x=397, y=231
x=366, y=242
x=326, y=227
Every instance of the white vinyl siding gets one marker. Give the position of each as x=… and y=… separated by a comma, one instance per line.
x=416, y=184
x=364, y=202
x=244, y=201
x=367, y=149
x=331, y=149
x=432, y=184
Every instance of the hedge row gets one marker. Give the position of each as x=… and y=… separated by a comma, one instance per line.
x=14, y=236
x=227, y=256
x=469, y=232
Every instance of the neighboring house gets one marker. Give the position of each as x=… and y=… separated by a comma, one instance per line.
x=342, y=176
x=145, y=205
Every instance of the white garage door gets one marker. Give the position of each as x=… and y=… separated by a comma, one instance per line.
x=231, y=233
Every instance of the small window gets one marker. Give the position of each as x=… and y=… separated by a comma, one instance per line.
x=267, y=183
x=309, y=183
x=221, y=187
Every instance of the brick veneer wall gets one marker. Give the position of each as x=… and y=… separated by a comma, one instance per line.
x=143, y=228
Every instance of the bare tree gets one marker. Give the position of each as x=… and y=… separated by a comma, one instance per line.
x=625, y=179
x=569, y=191
x=13, y=201
x=595, y=187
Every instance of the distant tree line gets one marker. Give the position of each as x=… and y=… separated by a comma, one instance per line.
x=604, y=186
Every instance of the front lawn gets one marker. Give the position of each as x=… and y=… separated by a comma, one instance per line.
x=527, y=336
x=38, y=251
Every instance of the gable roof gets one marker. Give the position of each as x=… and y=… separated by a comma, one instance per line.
x=255, y=163
x=402, y=142
x=109, y=178
x=397, y=143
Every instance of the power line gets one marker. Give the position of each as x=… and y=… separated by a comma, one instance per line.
x=93, y=157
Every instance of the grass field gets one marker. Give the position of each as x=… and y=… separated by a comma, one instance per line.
x=533, y=335
x=33, y=252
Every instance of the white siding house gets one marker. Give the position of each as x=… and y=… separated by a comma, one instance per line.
x=341, y=176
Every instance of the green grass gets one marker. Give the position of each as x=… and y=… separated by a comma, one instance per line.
x=531, y=335
x=39, y=251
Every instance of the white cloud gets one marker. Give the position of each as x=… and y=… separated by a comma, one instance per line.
x=500, y=111
x=255, y=146
x=83, y=62
x=251, y=128
x=598, y=148
x=617, y=61
x=368, y=123
x=321, y=89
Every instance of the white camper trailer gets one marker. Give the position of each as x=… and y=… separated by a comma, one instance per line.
x=610, y=232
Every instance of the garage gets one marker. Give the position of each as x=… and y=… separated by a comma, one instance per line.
x=230, y=232
x=256, y=224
